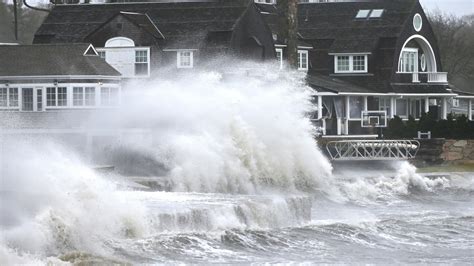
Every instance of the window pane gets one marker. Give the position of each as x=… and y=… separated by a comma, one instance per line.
x=109, y=96
x=90, y=96
x=13, y=98
x=185, y=59
x=363, y=13
x=376, y=13
x=343, y=63
x=62, y=96
x=50, y=96
x=359, y=63
x=78, y=96
x=402, y=106
x=3, y=97
x=141, y=56
x=356, y=105
x=141, y=69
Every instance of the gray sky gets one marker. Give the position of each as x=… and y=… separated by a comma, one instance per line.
x=456, y=7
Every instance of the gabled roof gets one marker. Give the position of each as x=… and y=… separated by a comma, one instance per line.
x=337, y=21
x=52, y=60
x=176, y=21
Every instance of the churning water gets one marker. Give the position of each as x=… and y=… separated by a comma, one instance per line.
x=243, y=182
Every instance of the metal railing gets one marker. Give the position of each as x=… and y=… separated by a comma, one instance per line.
x=353, y=150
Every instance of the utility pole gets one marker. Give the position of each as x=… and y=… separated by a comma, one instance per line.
x=289, y=28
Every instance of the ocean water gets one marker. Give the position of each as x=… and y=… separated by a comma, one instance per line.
x=244, y=183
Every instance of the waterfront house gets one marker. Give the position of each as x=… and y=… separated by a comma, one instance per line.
x=369, y=55
x=138, y=38
x=52, y=77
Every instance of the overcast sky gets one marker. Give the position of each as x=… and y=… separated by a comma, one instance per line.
x=457, y=7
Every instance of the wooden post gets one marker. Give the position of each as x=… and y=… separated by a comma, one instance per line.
x=366, y=105
x=393, y=107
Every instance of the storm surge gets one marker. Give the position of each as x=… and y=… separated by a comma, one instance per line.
x=243, y=181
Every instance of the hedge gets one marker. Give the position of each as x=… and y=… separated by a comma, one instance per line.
x=454, y=127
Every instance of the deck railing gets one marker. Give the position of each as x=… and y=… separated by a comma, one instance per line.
x=358, y=150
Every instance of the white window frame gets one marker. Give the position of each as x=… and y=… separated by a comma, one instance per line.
x=56, y=97
x=83, y=96
x=300, y=59
x=147, y=51
x=401, y=63
x=179, y=56
x=351, y=64
x=8, y=101
x=280, y=59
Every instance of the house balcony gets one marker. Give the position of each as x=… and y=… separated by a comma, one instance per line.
x=425, y=77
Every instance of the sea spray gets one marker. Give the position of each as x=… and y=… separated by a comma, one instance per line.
x=227, y=133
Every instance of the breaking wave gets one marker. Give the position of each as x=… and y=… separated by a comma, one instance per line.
x=240, y=163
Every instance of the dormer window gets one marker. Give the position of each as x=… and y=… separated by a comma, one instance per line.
x=302, y=60
x=350, y=64
x=185, y=59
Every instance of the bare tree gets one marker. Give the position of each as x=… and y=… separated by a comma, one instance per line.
x=289, y=28
x=455, y=39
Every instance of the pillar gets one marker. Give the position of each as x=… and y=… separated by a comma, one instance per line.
x=366, y=106
x=320, y=107
x=339, y=126
x=444, y=109
x=427, y=104
x=348, y=114
x=469, y=110
x=393, y=107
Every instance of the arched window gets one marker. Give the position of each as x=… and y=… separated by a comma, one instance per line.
x=120, y=42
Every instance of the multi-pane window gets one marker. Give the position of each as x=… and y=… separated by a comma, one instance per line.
x=359, y=63
x=408, y=61
x=279, y=55
x=185, y=59
x=351, y=64
x=62, y=96
x=343, y=63
x=109, y=96
x=56, y=96
x=51, y=96
x=83, y=96
x=141, y=62
x=303, y=60
x=8, y=97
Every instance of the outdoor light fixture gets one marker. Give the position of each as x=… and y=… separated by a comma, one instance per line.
x=100, y=83
x=55, y=82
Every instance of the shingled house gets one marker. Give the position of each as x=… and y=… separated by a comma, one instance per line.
x=56, y=77
x=370, y=55
x=137, y=38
